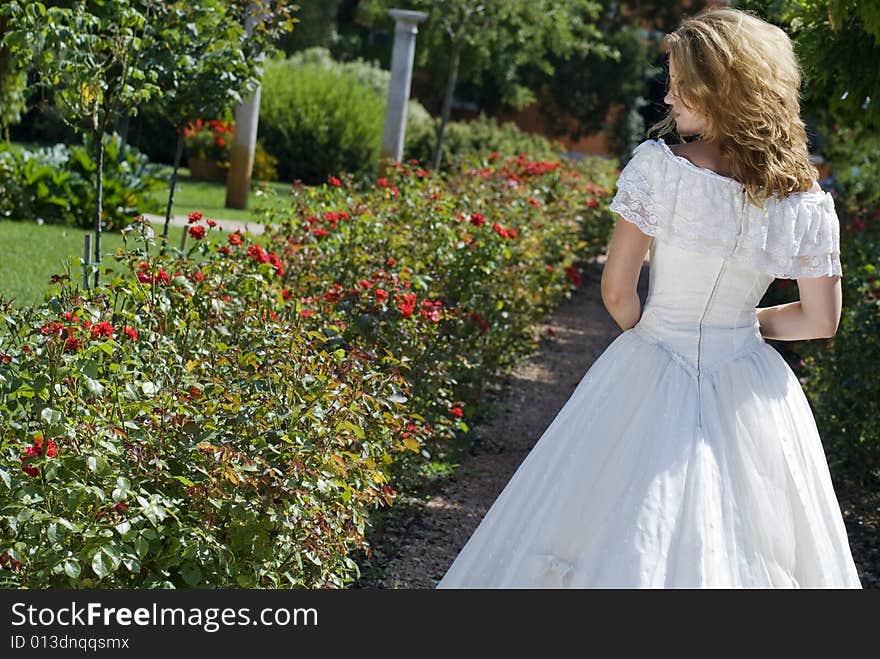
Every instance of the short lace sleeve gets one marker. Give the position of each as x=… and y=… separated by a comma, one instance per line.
x=802, y=238
x=637, y=190
x=668, y=197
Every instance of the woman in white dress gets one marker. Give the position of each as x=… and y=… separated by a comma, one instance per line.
x=688, y=455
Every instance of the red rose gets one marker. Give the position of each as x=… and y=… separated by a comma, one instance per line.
x=197, y=232
x=235, y=238
x=195, y=216
x=456, y=411
x=407, y=304
x=132, y=332
x=335, y=181
x=102, y=329
x=72, y=345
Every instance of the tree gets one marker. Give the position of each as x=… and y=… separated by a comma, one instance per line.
x=507, y=38
x=838, y=44
x=90, y=56
x=206, y=62
x=13, y=80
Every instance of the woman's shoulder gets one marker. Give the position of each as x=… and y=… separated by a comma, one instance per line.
x=670, y=197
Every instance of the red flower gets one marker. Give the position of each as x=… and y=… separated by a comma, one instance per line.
x=456, y=411
x=132, y=332
x=407, y=304
x=235, y=238
x=433, y=311
x=211, y=223
x=495, y=155
x=30, y=470
x=163, y=276
x=120, y=507
x=366, y=284
x=481, y=322
x=573, y=275
x=6, y=358
x=391, y=262
x=499, y=229
x=276, y=263
x=145, y=277
x=592, y=203
x=195, y=216
x=257, y=253
x=319, y=232
x=72, y=345
x=381, y=294
x=224, y=250
x=382, y=182
x=103, y=329
x=195, y=392
x=9, y=563
x=197, y=232
x=335, y=181
x=286, y=294
x=477, y=219
x=197, y=276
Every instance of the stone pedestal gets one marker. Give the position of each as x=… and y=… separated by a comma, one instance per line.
x=402, y=56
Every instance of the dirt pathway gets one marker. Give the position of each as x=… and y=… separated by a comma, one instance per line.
x=422, y=538
x=429, y=538
x=226, y=225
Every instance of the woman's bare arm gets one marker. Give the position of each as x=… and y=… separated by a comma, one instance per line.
x=620, y=276
x=815, y=316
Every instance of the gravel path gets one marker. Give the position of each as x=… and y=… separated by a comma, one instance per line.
x=226, y=225
x=421, y=538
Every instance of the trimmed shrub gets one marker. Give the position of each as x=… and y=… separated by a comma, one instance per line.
x=230, y=417
x=463, y=139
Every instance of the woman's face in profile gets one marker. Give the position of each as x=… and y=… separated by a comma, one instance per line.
x=687, y=121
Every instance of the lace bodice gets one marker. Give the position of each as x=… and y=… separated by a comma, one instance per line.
x=698, y=210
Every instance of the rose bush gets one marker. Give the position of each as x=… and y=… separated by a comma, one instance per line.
x=230, y=416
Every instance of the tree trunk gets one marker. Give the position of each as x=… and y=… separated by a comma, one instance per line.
x=177, y=156
x=99, y=205
x=447, y=101
x=241, y=160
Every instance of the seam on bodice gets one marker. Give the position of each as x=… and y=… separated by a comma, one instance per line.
x=646, y=335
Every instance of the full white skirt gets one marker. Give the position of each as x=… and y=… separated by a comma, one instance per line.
x=631, y=487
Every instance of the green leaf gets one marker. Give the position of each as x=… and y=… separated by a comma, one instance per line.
x=94, y=386
x=72, y=568
x=4, y=476
x=102, y=564
x=141, y=546
x=191, y=574
x=50, y=416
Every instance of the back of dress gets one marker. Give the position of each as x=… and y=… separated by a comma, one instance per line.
x=688, y=455
x=714, y=254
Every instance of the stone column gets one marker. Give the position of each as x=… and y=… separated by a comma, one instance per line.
x=402, y=56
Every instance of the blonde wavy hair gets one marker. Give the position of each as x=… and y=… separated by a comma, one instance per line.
x=741, y=74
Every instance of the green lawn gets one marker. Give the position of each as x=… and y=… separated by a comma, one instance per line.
x=33, y=253
x=205, y=197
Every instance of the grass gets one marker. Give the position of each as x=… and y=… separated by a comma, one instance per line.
x=35, y=252
x=206, y=197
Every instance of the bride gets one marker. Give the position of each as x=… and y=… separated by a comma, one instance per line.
x=688, y=455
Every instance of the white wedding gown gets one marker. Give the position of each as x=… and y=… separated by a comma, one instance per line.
x=688, y=455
